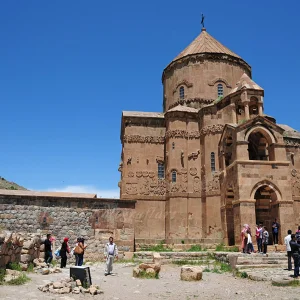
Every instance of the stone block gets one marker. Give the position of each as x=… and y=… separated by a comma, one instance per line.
x=128, y=255
x=25, y=258
x=191, y=273
x=57, y=285
x=136, y=271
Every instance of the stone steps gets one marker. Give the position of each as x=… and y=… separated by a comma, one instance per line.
x=260, y=266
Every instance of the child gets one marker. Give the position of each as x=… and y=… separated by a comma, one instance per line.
x=265, y=239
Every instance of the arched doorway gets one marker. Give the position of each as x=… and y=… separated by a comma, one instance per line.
x=266, y=206
x=260, y=145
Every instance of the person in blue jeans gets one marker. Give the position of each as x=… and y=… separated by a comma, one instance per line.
x=80, y=255
x=48, y=249
x=295, y=248
x=258, y=234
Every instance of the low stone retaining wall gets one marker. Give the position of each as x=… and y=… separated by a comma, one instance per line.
x=19, y=248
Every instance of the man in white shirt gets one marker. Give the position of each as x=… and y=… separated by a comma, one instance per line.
x=287, y=240
x=110, y=252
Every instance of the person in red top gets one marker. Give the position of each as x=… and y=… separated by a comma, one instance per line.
x=63, y=252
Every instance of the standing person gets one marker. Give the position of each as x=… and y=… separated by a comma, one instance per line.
x=275, y=230
x=287, y=240
x=79, y=250
x=244, y=238
x=75, y=254
x=63, y=252
x=265, y=239
x=250, y=248
x=258, y=234
x=298, y=235
x=48, y=249
x=295, y=253
x=110, y=251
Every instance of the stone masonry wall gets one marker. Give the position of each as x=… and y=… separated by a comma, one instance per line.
x=93, y=219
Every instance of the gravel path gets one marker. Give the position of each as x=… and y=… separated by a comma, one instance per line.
x=124, y=286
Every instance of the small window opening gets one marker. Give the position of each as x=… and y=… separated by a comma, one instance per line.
x=181, y=92
x=174, y=175
x=212, y=162
x=220, y=90
x=173, y=146
x=161, y=170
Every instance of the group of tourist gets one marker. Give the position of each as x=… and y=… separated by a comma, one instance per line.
x=291, y=241
x=262, y=238
x=110, y=252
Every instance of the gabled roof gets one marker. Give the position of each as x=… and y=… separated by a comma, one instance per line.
x=246, y=82
x=183, y=109
x=205, y=43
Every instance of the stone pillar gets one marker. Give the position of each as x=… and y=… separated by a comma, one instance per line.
x=260, y=109
x=287, y=219
x=243, y=213
x=247, y=113
x=234, y=121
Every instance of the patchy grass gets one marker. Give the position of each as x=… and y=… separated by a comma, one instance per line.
x=241, y=274
x=22, y=279
x=196, y=248
x=292, y=283
x=206, y=270
x=126, y=261
x=14, y=266
x=143, y=274
x=30, y=268
x=156, y=248
x=182, y=262
x=2, y=274
x=223, y=248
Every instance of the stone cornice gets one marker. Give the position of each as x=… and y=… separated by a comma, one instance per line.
x=143, y=139
x=195, y=58
x=213, y=82
x=183, y=82
x=144, y=121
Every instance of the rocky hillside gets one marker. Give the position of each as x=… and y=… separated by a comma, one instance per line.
x=9, y=185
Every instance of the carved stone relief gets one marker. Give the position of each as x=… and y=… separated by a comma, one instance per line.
x=194, y=155
x=212, y=129
x=197, y=184
x=143, y=139
x=131, y=188
x=193, y=171
x=292, y=142
x=295, y=183
x=182, y=134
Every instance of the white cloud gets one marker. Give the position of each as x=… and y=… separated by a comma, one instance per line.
x=87, y=189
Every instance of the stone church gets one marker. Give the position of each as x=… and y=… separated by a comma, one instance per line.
x=212, y=160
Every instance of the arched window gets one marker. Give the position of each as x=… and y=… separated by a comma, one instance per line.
x=181, y=92
x=220, y=90
x=212, y=162
x=161, y=170
x=174, y=175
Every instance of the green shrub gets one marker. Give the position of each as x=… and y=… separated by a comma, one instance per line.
x=183, y=262
x=225, y=267
x=206, y=270
x=222, y=248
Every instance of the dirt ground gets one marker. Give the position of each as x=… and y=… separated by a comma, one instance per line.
x=123, y=286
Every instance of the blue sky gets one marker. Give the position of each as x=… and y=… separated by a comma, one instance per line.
x=69, y=68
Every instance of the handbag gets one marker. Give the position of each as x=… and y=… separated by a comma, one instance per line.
x=78, y=250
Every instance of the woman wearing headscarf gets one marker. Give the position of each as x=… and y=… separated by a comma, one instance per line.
x=63, y=252
x=244, y=238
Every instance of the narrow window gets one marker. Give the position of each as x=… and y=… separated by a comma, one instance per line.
x=173, y=146
x=220, y=90
x=212, y=162
x=161, y=170
x=181, y=92
x=174, y=176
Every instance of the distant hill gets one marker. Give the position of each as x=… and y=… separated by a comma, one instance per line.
x=9, y=185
